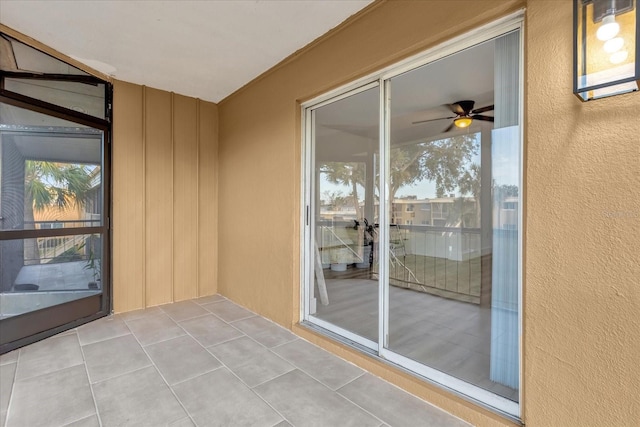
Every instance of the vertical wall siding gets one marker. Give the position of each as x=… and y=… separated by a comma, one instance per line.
x=158, y=118
x=208, y=197
x=164, y=209
x=185, y=198
x=128, y=198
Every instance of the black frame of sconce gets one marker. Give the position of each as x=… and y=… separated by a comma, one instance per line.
x=576, y=46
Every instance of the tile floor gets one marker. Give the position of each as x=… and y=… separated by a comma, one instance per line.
x=204, y=362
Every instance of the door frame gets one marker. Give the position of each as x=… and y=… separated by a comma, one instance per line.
x=26, y=328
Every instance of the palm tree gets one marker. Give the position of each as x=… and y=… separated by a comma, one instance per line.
x=351, y=174
x=49, y=184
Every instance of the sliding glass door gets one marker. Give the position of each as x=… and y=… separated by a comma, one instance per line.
x=344, y=136
x=54, y=196
x=414, y=194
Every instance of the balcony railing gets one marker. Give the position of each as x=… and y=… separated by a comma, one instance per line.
x=59, y=248
x=439, y=260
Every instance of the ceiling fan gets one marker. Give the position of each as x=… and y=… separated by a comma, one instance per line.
x=464, y=114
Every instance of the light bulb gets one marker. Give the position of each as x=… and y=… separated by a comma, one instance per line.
x=609, y=28
x=614, y=45
x=463, y=122
x=619, y=57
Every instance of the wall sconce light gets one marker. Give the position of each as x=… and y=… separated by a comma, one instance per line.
x=606, y=49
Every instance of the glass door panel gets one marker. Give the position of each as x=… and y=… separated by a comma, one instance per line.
x=344, y=206
x=453, y=232
x=53, y=237
x=67, y=268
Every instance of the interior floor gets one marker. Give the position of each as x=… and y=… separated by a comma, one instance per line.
x=451, y=336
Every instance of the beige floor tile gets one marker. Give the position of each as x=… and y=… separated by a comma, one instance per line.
x=181, y=358
x=265, y=332
x=110, y=358
x=155, y=328
x=139, y=398
x=304, y=401
x=183, y=310
x=55, y=398
x=399, y=408
x=228, y=311
x=250, y=361
x=220, y=399
x=49, y=355
x=210, y=330
x=318, y=363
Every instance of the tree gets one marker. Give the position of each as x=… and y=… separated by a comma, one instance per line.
x=470, y=183
x=443, y=161
x=49, y=184
x=350, y=174
x=334, y=199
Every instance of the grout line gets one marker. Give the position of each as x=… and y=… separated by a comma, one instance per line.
x=276, y=377
x=13, y=386
x=167, y=383
x=260, y=397
x=86, y=370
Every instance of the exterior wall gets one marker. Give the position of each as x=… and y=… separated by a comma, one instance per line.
x=582, y=207
x=582, y=210
x=164, y=193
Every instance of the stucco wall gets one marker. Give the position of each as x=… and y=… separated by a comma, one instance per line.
x=582, y=211
x=582, y=282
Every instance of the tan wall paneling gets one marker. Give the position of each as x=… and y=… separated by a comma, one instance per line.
x=582, y=218
x=185, y=198
x=165, y=192
x=159, y=197
x=582, y=282
x=208, y=196
x=128, y=198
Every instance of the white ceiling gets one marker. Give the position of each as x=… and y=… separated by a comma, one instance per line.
x=204, y=49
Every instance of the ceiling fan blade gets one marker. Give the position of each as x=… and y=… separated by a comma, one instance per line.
x=432, y=120
x=485, y=118
x=483, y=109
x=451, y=126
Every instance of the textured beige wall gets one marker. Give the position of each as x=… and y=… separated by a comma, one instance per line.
x=582, y=294
x=582, y=219
x=164, y=203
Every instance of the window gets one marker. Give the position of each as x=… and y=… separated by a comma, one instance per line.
x=441, y=299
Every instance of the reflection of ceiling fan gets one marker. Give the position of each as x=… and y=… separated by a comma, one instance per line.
x=464, y=114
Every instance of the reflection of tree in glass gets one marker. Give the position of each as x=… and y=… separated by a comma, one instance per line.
x=444, y=161
x=469, y=183
x=49, y=184
x=349, y=174
x=334, y=199
x=501, y=192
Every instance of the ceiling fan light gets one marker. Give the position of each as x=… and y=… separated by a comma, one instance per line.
x=463, y=122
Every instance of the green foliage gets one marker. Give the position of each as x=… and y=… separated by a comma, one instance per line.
x=444, y=161
x=56, y=184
